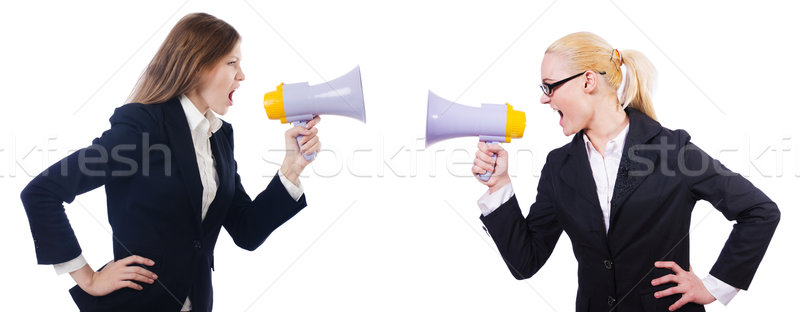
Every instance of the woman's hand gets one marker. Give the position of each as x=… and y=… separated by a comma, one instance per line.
x=294, y=162
x=689, y=285
x=114, y=275
x=484, y=163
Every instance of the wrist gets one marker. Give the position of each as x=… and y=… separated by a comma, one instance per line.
x=502, y=182
x=290, y=172
x=83, y=276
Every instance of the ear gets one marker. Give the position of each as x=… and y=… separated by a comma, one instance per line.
x=592, y=80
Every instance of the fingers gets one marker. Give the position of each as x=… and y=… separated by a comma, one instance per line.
x=669, y=292
x=665, y=279
x=293, y=132
x=480, y=170
x=495, y=148
x=477, y=170
x=308, y=134
x=490, y=149
x=137, y=277
x=681, y=302
x=483, y=147
x=484, y=162
x=669, y=265
x=129, y=284
x=141, y=271
x=136, y=259
x=484, y=166
x=311, y=147
x=487, y=158
x=313, y=122
x=136, y=273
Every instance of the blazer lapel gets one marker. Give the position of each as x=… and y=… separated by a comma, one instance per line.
x=181, y=142
x=577, y=173
x=638, y=161
x=221, y=166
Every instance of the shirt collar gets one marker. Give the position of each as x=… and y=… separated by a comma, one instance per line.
x=195, y=118
x=612, y=147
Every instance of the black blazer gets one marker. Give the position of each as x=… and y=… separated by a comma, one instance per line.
x=148, y=166
x=661, y=177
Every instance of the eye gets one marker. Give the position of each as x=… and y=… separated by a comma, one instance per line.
x=231, y=62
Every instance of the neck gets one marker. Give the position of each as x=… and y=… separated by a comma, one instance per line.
x=608, y=121
x=198, y=101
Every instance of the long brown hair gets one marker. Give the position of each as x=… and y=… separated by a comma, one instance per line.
x=587, y=51
x=196, y=43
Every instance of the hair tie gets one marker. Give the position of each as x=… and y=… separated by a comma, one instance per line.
x=616, y=53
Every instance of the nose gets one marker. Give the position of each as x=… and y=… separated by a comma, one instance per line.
x=239, y=75
x=544, y=99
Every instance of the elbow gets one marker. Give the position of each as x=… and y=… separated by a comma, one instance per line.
x=246, y=244
x=250, y=244
x=521, y=272
x=248, y=247
x=28, y=196
x=774, y=214
x=521, y=275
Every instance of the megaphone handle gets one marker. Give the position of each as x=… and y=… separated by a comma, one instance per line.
x=302, y=123
x=486, y=175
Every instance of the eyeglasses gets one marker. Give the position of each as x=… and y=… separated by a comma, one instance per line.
x=548, y=88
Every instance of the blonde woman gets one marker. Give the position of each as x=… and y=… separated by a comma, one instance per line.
x=171, y=181
x=623, y=190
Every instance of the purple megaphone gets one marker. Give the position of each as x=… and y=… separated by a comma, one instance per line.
x=298, y=103
x=491, y=123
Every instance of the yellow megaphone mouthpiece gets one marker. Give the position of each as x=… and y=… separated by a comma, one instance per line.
x=273, y=104
x=515, y=123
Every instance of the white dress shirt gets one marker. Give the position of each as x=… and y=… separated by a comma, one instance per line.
x=604, y=172
x=201, y=128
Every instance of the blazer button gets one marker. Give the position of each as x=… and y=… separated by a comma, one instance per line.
x=196, y=244
x=608, y=264
x=611, y=301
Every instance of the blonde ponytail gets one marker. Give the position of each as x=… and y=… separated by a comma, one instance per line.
x=587, y=51
x=641, y=77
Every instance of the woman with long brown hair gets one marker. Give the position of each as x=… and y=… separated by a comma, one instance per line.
x=623, y=190
x=170, y=179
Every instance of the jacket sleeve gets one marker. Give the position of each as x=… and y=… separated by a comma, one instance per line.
x=526, y=243
x=249, y=222
x=111, y=154
x=755, y=214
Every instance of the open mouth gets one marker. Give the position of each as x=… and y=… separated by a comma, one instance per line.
x=230, y=96
x=561, y=119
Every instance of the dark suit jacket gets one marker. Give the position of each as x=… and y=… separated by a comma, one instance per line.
x=148, y=166
x=661, y=177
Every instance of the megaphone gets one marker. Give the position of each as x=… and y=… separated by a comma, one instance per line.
x=298, y=103
x=491, y=123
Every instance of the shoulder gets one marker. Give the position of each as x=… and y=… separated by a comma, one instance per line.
x=677, y=137
x=227, y=129
x=559, y=153
x=644, y=129
x=556, y=157
x=142, y=117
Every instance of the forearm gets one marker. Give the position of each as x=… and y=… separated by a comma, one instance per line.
x=250, y=222
x=524, y=252
x=746, y=245
x=83, y=276
x=290, y=171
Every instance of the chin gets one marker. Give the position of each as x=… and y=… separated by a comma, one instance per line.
x=567, y=131
x=220, y=110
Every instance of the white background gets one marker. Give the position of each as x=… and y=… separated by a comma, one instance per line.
x=393, y=226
